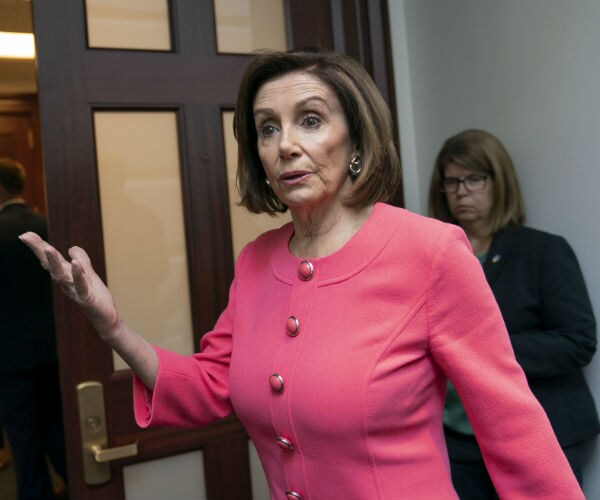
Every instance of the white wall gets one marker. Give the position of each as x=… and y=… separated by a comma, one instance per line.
x=528, y=71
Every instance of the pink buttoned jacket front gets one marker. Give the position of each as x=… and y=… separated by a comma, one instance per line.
x=348, y=368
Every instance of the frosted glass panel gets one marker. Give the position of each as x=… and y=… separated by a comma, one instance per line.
x=130, y=24
x=260, y=487
x=177, y=477
x=245, y=25
x=245, y=226
x=143, y=226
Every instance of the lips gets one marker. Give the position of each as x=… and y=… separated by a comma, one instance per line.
x=293, y=177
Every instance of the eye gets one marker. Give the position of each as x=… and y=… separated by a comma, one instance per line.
x=267, y=130
x=311, y=121
x=476, y=177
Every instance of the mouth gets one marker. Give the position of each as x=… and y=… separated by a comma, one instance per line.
x=461, y=209
x=295, y=177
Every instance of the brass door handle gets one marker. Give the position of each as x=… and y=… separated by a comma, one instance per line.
x=102, y=455
x=94, y=440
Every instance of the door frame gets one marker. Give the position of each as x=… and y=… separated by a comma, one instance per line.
x=25, y=106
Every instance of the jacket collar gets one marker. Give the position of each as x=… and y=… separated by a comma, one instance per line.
x=352, y=258
x=13, y=202
x=499, y=253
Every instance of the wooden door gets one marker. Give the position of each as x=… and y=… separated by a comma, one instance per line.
x=195, y=83
x=20, y=140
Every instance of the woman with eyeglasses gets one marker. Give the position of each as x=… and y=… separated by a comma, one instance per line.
x=541, y=292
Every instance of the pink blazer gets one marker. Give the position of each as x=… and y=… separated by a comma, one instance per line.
x=337, y=368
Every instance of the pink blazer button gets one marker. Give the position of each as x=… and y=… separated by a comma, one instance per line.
x=286, y=444
x=292, y=325
x=292, y=495
x=305, y=270
x=276, y=382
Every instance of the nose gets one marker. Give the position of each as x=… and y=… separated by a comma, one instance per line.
x=462, y=188
x=288, y=143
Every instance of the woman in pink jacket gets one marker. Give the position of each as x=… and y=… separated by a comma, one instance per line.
x=342, y=326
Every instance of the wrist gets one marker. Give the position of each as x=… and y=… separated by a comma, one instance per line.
x=110, y=332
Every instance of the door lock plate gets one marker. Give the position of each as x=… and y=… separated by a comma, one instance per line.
x=94, y=441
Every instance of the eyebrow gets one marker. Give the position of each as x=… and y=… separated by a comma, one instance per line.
x=299, y=104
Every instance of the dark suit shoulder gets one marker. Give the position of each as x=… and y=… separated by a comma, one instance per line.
x=534, y=234
x=17, y=219
x=529, y=238
x=529, y=253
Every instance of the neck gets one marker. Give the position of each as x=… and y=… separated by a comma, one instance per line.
x=4, y=201
x=321, y=234
x=479, y=238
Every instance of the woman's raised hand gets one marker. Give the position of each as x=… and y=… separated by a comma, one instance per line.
x=78, y=280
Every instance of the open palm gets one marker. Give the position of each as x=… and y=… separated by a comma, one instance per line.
x=78, y=280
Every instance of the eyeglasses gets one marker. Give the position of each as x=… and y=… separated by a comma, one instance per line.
x=473, y=182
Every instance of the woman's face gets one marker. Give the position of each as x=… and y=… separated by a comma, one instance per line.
x=303, y=141
x=469, y=206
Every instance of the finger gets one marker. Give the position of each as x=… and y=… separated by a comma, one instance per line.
x=80, y=255
x=59, y=268
x=80, y=278
x=36, y=244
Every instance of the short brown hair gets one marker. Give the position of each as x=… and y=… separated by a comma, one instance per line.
x=12, y=176
x=482, y=152
x=367, y=115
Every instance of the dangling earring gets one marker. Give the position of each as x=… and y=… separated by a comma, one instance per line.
x=355, y=167
x=268, y=183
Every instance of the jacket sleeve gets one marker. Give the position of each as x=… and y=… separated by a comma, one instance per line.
x=191, y=391
x=469, y=342
x=566, y=340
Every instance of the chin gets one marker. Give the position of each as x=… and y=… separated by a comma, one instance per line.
x=462, y=219
x=300, y=202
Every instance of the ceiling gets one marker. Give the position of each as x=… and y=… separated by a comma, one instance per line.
x=17, y=76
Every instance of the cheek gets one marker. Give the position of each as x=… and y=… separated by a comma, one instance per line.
x=336, y=153
x=489, y=202
x=328, y=159
x=450, y=201
x=266, y=157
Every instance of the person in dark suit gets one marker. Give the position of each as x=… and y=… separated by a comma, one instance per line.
x=538, y=284
x=30, y=398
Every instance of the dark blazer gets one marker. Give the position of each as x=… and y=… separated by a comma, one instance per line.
x=541, y=292
x=27, y=337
